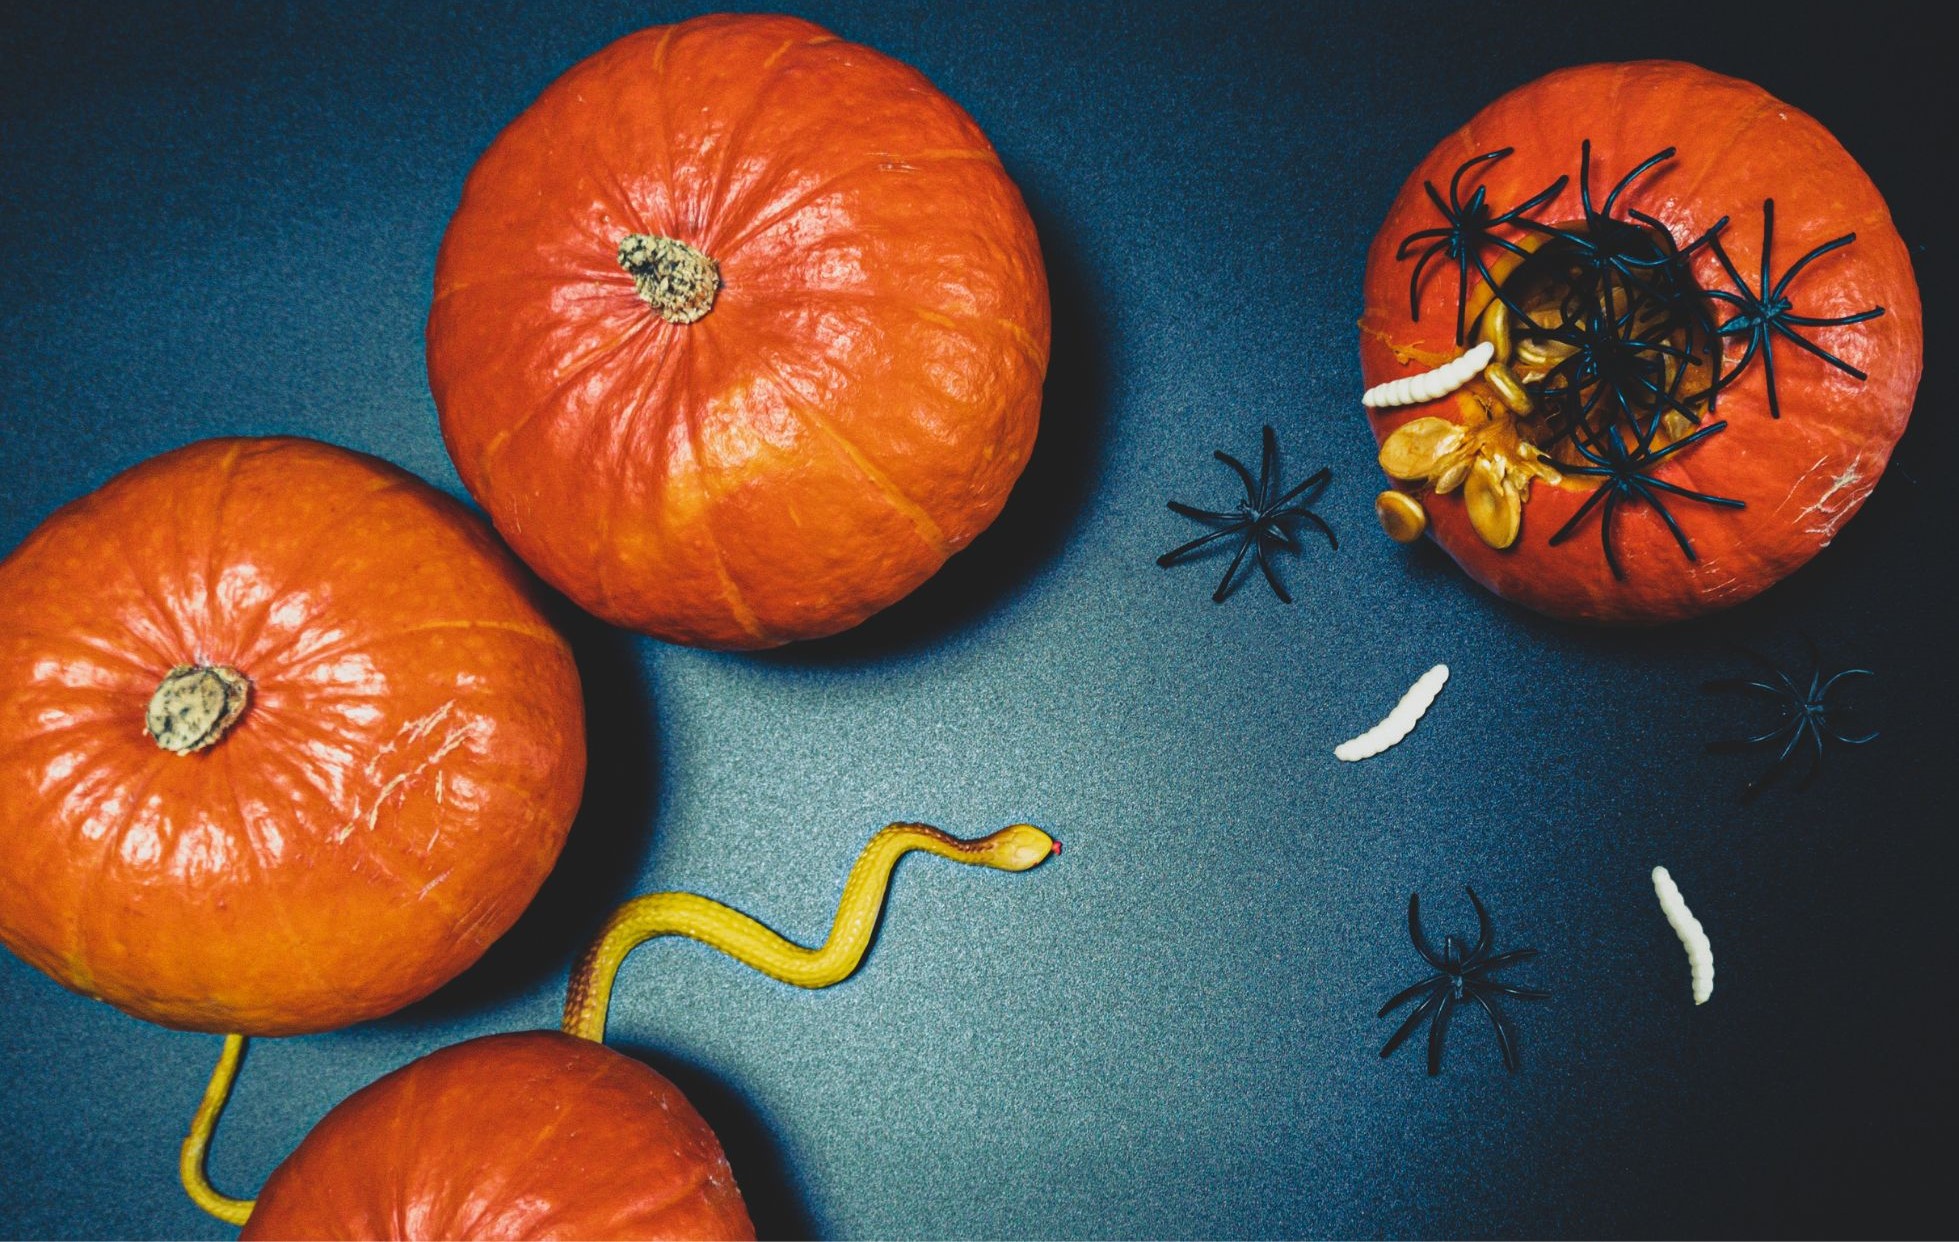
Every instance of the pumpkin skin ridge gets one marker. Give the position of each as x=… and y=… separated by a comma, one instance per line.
x=179, y=833
x=1812, y=206
x=752, y=205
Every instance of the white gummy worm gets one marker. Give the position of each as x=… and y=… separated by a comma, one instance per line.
x=1399, y=722
x=1443, y=380
x=1700, y=950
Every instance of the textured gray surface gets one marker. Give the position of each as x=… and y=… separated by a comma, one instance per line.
x=223, y=220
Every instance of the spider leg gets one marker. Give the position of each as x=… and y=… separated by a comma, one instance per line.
x=1834, y=243
x=1414, y=1019
x=1251, y=484
x=1742, y=743
x=1268, y=461
x=1816, y=753
x=1265, y=567
x=1628, y=179
x=1763, y=781
x=1768, y=244
x=1462, y=287
x=1605, y=533
x=1451, y=209
x=1721, y=254
x=1726, y=502
x=1653, y=502
x=1511, y=989
x=1768, y=368
x=1422, y=945
x=1322, y=475
x=1598, y=494
x=1415, y=280
x=1841, y=321
x=1177, y=553
x=1818, y=350
x=1509, y=958
x=1739, y=683
x=1407, y=243
x=1409, y=993
x=1504, y=1041
x=1438, y=1030
x=1484, y=932
x=1854, y=741
x=1320, y=522
x=1455, y=182
x=1224, y=583
x=1202, y=515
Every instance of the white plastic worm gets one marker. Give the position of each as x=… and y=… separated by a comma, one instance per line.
x=1399, y=722
x=1700, y=951
x=1443, y=380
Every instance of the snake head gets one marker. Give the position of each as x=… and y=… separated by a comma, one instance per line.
x=1020, y=847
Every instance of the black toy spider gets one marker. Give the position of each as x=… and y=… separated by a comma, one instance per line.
x=1626, y=475
x=1618, y=361
x=1763, y=312
x=1803, y=714
x=1259, y=520
x=1458, y=978
x=1611, y=245
x=1470, y=227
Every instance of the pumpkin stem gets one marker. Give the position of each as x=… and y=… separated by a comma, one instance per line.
x=190, y=1158
x=671, y=276
x=195, y=706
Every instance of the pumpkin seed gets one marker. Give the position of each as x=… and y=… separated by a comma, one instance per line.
x=1495, y=509
x=1450, y=477
x=1412, y=453
x=1507, y=387
x=1401, y=515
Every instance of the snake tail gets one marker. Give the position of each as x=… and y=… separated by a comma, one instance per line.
x=190, y=1158
x=1016, y=848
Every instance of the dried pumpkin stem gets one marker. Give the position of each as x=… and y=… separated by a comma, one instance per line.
x=195, y=705
x=190, y=1158
x=671, y=276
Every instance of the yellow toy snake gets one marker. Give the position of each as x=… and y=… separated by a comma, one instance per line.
x=1016, y=848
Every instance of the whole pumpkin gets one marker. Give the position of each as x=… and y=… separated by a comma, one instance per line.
x=533, y=1135
x=739, y=332
x=1784, y=477
x=284, y=741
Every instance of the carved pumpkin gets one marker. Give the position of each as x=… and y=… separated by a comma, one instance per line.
x=534, y=1135
x=287, y=743
x=1661, y=433
x=739, y=332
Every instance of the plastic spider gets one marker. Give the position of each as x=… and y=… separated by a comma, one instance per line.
x=1626, y=475
x=1458, y=978
x=1804, y=714
x=1765, y=311
x=1613, y=246
x=1470, y=228
x=1259, y=521
x=1617, y=360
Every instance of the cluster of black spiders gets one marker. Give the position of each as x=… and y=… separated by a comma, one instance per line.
x=1635, y=336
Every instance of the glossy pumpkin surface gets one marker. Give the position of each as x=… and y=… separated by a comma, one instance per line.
x=408, y=758
x=1800, y=476
x=534, y=1135
x=853, y=408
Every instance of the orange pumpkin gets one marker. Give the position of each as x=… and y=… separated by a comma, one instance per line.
x=739, y=332
x=1796, y=469
x=535, y=1135
x=287, y=742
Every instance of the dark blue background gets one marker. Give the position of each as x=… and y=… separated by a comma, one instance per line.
x=222, y=219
